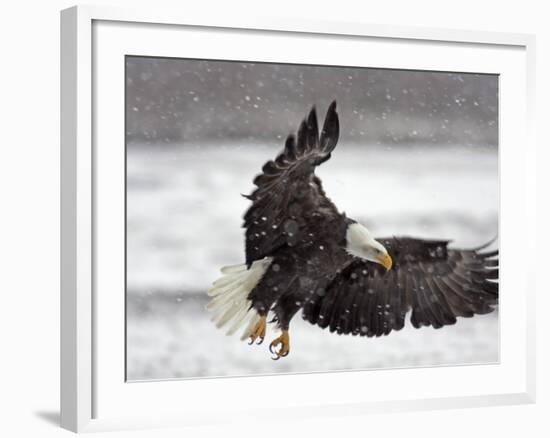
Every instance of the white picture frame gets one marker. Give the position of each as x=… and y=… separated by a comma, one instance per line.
x=94, y=395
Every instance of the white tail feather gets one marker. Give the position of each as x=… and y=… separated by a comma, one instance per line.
x=224, y=281
x=233, y=268
x=218, y=289
x=230, y=303
x=225, y=297
x=255, y=318
x=238, y=321
x=228, y=315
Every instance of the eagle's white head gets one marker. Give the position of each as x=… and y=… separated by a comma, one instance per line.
x=360, y=243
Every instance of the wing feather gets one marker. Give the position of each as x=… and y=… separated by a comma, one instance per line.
x=287, y=189
x=435, y=283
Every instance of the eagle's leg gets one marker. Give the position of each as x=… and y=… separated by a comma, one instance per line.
x=284, y=342
x=284, y=310
x=258, y=331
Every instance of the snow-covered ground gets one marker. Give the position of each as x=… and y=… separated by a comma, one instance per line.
x=184, y=222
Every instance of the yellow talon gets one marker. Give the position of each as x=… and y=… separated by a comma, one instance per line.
x=284, y=342
x=258, y=332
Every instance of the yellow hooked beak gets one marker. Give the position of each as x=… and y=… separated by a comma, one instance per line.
x=386, y=261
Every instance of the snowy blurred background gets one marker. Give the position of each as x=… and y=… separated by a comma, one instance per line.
x=418, y=155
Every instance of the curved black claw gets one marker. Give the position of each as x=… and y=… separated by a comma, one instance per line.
x=260, y=340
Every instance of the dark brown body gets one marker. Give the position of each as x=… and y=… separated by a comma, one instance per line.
x=293, y=222
x=303, y=267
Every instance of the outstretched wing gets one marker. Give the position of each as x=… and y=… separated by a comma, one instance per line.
x=288, y=190
x=437, y=283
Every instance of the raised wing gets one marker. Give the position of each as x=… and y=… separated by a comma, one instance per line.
x=437, y=283
x=288, y=190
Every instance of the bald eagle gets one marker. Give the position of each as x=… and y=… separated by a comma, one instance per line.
x=303, y=254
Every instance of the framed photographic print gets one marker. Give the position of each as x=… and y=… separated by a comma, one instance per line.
x=314, y=207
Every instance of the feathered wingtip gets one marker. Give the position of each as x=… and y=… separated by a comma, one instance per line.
x=486, y=244
x=306, y=141
x=331, y=129
x=308, y=137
